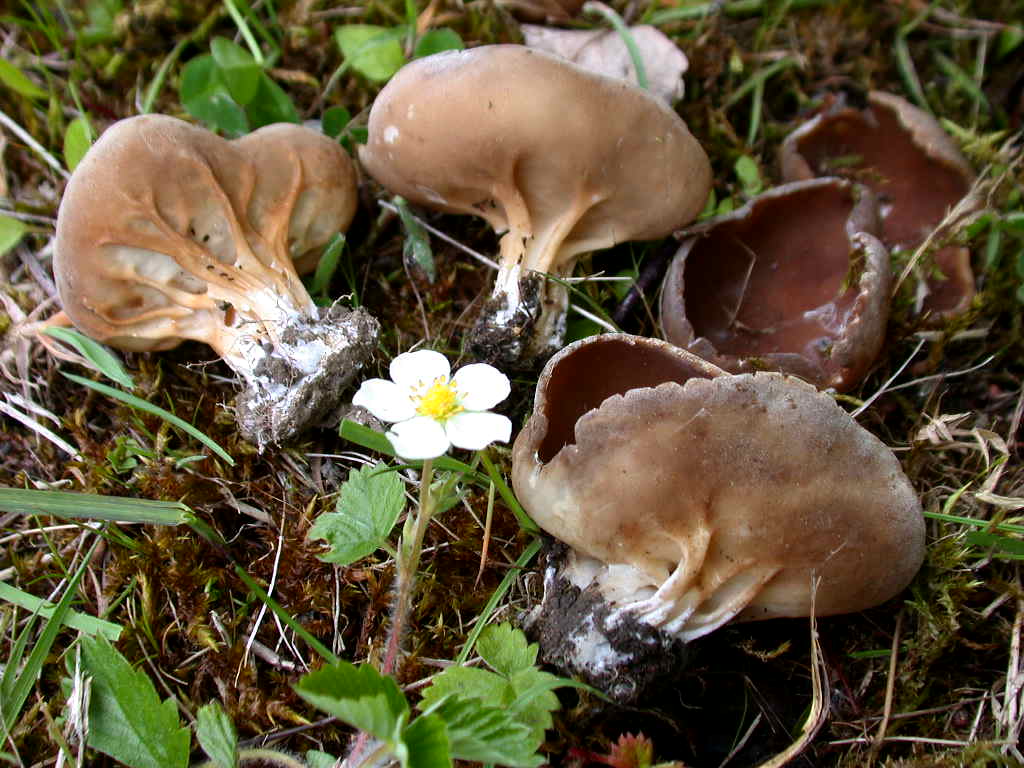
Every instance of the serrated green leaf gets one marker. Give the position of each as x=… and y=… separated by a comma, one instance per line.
x=1013, y=548
x=205, y=96
x=11, y=232
x=271, y=105
x=487, y=734
x=359, y=696
x=535, y=699
x=127, y=719
x=238, y=68
x=106, y=362
x=368, y=507
x=438, y=40
x=217, y=736
x=506, y=649
x=371, y=50
x=469, y=683
x=77, y=139
x=426, y=743
x=18, y=82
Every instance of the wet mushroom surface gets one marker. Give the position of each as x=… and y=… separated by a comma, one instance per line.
x=796, y=281
x=903, y=154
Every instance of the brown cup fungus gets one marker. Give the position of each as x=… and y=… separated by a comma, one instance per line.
x=168, y=232
x=913, y=166
x=794, y=281
x=561, y=160
x=688, y=498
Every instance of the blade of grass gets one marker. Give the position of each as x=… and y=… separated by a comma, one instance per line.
x=83, y=622
x=758, y=78
x=525, y=522
x=243, y=28
x=156, y=410
x=72, y=505
x=737, y=8
x=284, y=616
x=524, y=559
x=600, y=9
x=22, y=686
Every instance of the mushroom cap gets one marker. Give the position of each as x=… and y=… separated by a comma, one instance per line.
x=566, y=160
x=793, y=281
x=708, y=497
x=903, y=154
x=168, y=232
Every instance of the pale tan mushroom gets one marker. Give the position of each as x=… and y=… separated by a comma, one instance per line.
x=690, y=497
x=167, y=232
x=563, y=161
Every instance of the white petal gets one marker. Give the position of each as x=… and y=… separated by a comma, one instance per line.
x=385, y=400
x=481, y=386
x=410, y=370
x=477, y=429
x=418, y=438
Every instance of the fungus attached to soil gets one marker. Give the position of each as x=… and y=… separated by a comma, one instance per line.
x=794, y=281
x=563, y=161
x=168, y=232
x=908, y=160
x=688, y=498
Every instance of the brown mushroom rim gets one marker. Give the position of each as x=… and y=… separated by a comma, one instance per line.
x=778, y=280
x=875, y=148
x=585, y=374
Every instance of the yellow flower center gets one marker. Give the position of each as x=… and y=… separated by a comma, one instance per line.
x=440, y=401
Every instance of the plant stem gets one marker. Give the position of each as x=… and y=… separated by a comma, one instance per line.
x=408, y=562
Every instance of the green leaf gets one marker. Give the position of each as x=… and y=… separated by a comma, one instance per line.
x=1012, y=548
x=77, y=140
x=426, y=743
x=127, y=720
x=205, y=96
x=100, y=27
x=18, y=82
x=317, y=759
x=326, y=267
x=373, y=51
x=1009, y=38
x=334, y=121
x=142, y=405
x=416, y=249
x=368, y=507
x=217, y=736
x=359, y=696
x=106, y=362
x=506, y=649
x=18, y=680
x=11, y=232
x=749, y=175
x=469, y=683
x=535, y=699
x=271, y=105
x=376, y=442
x=238, y=69
x=83, y=622
x=484, y=734
x=438, y=40
x=73, y=505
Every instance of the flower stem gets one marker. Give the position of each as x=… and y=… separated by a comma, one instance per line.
x=408, y=562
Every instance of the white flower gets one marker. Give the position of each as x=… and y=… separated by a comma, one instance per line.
x=433, y=410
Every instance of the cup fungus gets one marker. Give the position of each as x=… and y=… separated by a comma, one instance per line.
x=689, y=497
x=903, y=154
x=168, y=232
x=563, y=161
x=794, y=281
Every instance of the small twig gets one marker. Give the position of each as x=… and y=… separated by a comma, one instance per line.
x=38, y=148
x=890, y=687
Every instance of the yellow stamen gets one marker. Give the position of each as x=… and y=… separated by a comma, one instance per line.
x=440, y=401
